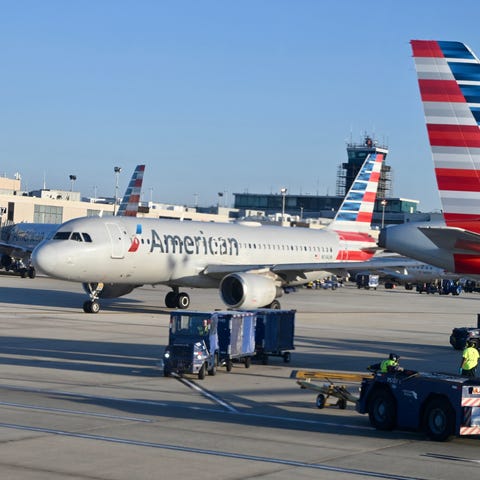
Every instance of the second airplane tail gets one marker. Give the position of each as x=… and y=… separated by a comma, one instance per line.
x=355, y=213
x=131, y=199
x=449, y=81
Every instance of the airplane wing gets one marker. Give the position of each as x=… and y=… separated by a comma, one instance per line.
x=453, y=239
x=298, y=270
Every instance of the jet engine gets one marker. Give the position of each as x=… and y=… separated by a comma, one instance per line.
x=248, y=290
x=109, y=290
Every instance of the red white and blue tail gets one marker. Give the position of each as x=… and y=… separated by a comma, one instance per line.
x=131, y=199
x=355, y=213
x=449, y=81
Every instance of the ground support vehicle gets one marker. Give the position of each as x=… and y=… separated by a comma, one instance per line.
x=274, y=334
x=460, y=336
x=441, y=405
x=367, y=281
x=328, y=388
x=198, y=342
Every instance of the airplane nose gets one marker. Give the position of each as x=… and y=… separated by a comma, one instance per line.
x=44, y=259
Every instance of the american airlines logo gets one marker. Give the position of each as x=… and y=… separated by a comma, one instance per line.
x=194, y=245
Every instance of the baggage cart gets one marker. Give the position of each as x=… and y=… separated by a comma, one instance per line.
x=274, y=334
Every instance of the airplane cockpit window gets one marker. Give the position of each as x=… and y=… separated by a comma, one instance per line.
x=76, y=237
x=86, y=237
x=62, y=236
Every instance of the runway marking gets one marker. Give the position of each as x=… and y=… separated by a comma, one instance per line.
x=74, y=412
x=450, y=457
x=207, y=394
x=201, y=451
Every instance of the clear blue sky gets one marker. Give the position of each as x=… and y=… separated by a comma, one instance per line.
x=234, y=96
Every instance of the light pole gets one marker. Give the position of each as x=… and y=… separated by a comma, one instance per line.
x=283, y=191
x=383, y=203
x=72, y=181
x=117, y=171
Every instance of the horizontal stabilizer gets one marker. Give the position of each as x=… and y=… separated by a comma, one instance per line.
x=453, y=239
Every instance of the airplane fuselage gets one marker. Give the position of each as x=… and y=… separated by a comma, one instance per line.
x=151, y=251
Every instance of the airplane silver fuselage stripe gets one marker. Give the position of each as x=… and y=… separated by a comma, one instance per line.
x=174, y=250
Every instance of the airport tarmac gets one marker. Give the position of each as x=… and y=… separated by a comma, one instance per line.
x=82, y=397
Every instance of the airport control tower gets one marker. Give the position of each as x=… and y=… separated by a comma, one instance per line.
x=357, y=152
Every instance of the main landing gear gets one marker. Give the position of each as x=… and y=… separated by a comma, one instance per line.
x=176, y=299
x=92, y=305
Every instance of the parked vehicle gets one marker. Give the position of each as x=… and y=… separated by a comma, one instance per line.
x=198, y=342
x=460, y=336
x=274, y=333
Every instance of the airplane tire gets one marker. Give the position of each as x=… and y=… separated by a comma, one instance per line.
x=183, y=300
x=171, y=300
x=91, y=306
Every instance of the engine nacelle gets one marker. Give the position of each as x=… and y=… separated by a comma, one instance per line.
x=109, y=290
x=248, y=290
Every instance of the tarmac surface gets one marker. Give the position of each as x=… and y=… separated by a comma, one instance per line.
x=82, y=396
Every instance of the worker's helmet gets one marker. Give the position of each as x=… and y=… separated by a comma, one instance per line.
x=394, y=357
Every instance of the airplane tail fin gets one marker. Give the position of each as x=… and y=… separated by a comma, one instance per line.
x=131, y=199
x=356, y=212
x=449, y=80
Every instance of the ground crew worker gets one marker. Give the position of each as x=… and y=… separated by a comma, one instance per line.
x=468, y=367
x=203, y=328
x=390, y=364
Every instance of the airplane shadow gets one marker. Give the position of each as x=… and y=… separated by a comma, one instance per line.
x=73, y=300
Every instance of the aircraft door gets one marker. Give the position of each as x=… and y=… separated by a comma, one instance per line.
x=117, y=240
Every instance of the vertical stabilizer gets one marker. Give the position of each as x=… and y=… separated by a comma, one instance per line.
x=131, y=199
x=356, y=212
x=449, y=81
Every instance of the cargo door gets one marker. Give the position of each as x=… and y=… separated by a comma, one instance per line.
x=117, y=240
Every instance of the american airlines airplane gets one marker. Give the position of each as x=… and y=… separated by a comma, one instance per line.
x=18, y=240
x=449, y=81
x=250, y=264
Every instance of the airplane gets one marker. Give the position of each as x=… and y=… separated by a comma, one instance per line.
x=449, y=80
x=19, y=240
x=250, y=264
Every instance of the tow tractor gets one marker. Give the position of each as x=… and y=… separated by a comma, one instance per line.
x=440, y=404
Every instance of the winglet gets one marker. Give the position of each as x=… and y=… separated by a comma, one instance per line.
x=131, y=199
